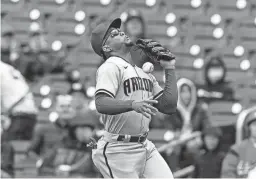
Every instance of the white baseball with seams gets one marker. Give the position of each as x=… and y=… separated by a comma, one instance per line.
x=148, y=67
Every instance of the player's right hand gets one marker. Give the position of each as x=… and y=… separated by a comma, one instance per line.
x=145, y=107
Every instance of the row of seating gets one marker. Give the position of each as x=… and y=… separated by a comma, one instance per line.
x=58, y=5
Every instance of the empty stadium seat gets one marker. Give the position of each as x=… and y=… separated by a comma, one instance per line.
x=247, y=95
x=222, y=120
x=158, y=136
x=221, y=113
x=65, y=27
x=57, y=82
x=83, y=58
x=185, y=7
x=51, y=6
x=228, y=8
x=11, y=6
x=88, y=71
x=20, y=22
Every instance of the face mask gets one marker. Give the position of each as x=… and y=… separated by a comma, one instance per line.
x=215, y=74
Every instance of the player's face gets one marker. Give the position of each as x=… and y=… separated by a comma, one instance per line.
x=118, y=40
x=134, y=27
x=253, y=129
x=185, y=94
x=211, y=142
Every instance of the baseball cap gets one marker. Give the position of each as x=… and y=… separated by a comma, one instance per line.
x=99, y=33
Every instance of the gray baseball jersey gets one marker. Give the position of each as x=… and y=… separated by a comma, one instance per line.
x=120, y=80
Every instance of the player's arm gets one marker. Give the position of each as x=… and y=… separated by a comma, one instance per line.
x=167, y=98
x=108, y=81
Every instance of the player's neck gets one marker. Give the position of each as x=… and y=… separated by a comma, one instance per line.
x=125, y=56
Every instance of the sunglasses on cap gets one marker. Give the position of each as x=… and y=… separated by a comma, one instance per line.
x=112, y=33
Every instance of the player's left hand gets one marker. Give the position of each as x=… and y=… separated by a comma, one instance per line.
x=145, y=107
x=168, y=64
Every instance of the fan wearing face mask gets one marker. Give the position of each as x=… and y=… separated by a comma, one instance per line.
x=216, y=87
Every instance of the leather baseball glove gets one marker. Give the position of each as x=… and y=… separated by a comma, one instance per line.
x=154, y=50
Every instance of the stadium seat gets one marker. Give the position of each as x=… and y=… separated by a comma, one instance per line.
x=157, y=136
x=37, y=99
x=221, y=113
x=155, y=30
x=184, y=61
x=229, y=9
x=88, y=71
x=81, y=57
x=248, y=35
x=50, y=6
x=43, y=117
x=220, y=107
x=65, y=27
x=57, y=83
x=184, y=7
x=21, y=23
x=94, y=7
x=222, y=120
x=247, y=95
x=10, y=6
x=236, y=75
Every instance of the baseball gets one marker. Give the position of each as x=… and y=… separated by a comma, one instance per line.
x=148, y=67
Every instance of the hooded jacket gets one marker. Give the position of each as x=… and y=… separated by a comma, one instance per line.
x=208, y=163
x=219, y=90
x=196, y=113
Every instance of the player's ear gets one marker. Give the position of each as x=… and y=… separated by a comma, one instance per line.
x=106, y=48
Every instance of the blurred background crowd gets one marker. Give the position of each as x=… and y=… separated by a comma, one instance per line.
x=48, y=69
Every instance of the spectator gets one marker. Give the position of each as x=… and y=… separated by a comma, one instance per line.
x=11, y=51
x=17, y=103
x=134, y=27
x=198, y=111
x=208, y=164
x=190, y=117
x=241, y=159
x=81, y=92
x=59, y=62
x=45, y=139
x=7, y=151
x=215, y=87
x=72, y=158
x=39, y=54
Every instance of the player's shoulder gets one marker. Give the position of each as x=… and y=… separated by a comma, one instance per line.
x=5, y=67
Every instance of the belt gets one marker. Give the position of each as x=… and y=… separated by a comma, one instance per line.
x=129, y=138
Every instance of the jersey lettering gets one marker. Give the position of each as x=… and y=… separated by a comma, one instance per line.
x=137, y=83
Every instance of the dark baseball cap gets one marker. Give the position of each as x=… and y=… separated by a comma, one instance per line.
x=99, y=33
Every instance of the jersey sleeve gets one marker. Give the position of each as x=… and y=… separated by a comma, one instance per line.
x=108, y=79
x=157, y=89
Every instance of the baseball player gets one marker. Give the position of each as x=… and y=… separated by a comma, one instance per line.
x=127, y=97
